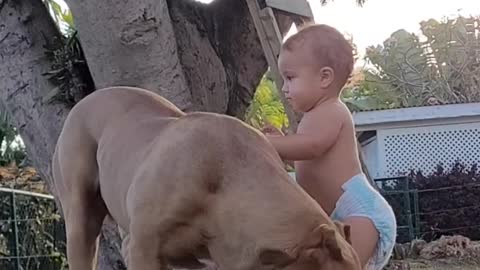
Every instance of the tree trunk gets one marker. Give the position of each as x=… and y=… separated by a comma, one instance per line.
x=201, y=57
x=25, y=27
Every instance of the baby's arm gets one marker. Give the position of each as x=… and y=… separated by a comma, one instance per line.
x=317, y=132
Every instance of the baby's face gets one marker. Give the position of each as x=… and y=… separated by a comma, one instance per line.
x=300, y=80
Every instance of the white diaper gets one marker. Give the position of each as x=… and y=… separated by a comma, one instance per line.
x=360, y=199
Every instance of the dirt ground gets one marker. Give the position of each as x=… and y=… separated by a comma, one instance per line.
x=25, y=178
x=447, y=253
x=434, y=265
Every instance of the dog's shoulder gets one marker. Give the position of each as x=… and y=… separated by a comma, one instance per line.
x=207, y=126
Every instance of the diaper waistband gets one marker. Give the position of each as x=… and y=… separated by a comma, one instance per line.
x=357, y=182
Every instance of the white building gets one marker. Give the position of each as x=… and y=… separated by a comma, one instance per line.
x=395, y=141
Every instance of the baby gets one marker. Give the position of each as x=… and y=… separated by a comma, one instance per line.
x=315, y=64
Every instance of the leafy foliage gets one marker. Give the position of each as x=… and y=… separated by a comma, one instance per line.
x=440, y=66
x=63, y=18
x=12, y=149
x=447, y=201
x=362, y=93
x=69, y=70
x=267, y=107
x=38, y=237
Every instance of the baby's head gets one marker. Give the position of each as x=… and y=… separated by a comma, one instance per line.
x=315, y=64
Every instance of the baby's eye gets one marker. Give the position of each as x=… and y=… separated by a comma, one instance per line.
x=289, y=78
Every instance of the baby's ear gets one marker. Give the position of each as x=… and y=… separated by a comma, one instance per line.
x=275, y=257
x=344, y=230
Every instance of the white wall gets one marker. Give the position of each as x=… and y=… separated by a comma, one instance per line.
x=422, y=148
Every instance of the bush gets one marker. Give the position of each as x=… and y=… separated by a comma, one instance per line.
x=445, y=202
x=448, y=201
x=37, y=238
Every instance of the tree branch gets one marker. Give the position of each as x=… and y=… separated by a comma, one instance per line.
x=229, y=45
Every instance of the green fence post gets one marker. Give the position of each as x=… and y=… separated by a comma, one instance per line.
x=416, y=209
x=15, y=228
x=408, y=207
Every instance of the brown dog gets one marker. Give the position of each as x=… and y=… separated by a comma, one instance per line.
x=183, y=187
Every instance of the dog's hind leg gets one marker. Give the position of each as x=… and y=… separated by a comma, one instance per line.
x=75, y=173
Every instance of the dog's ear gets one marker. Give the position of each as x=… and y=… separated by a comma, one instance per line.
x=344, y=230
x=331, y=243
x=322, y=242
x=275, y=257
x=316, y=237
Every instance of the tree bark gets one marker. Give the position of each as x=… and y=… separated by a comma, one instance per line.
x=201, y=57
x=25, y=27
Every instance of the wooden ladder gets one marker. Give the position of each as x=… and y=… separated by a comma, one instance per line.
x=262, y=12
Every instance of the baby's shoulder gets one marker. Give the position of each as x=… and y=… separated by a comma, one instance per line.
x=333, y=116
x=334, y=111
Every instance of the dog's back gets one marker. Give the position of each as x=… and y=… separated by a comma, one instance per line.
x=110, y=125
x=118, y=135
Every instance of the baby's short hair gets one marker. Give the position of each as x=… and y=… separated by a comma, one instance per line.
x=327, y=45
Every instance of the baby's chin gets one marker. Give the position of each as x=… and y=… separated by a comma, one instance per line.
x=301, y=109
x=295, y=108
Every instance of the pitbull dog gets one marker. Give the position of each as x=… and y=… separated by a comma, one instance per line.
x=185, y=187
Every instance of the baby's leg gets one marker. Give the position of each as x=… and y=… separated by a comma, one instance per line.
x=364, y=237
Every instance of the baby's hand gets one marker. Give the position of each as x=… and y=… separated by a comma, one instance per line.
x=271, y=130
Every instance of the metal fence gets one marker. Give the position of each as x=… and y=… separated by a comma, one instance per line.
x=428, y=213
x=404, y=202
x=32, y=234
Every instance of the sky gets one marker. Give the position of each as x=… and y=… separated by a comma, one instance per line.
x=377, y=19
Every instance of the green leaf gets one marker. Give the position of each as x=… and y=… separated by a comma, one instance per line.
x=266, y=106
x=440, y=67
x=67, y=17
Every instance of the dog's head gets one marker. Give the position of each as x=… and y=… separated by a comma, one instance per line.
x=326, y=247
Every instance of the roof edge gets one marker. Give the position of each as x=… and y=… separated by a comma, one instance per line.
x=434, y=112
